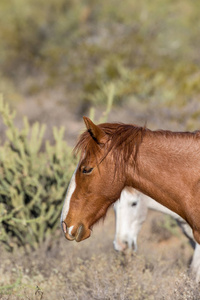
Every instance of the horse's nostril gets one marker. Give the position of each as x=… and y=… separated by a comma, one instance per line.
x=77, y=233
x=64, y=227
x=134, y=247
x=80, y=233
x=126, y=244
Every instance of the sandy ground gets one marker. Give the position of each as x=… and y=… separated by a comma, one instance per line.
x=92, y=269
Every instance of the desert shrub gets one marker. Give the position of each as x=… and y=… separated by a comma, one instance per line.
x=32, y=182
x=170, y=87
x=32, y=32
x=150, y=52
x=164, y=228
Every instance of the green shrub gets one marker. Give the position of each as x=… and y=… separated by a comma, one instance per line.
x=32, y=182
x=32, y=32
x=147, y=50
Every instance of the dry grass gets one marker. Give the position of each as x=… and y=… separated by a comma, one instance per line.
x=93, y=270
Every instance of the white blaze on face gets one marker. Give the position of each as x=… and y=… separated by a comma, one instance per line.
x=70, y=191
x=70, y=230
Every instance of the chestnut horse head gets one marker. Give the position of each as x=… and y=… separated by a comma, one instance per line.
x=96, y=182
x=164, y=165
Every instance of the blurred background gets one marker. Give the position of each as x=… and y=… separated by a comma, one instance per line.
x=59, y=58
x=128, y=61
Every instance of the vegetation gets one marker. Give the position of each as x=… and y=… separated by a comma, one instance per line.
x=148, y=51
x=32, y=182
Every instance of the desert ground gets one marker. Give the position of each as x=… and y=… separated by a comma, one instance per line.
x=93, y=270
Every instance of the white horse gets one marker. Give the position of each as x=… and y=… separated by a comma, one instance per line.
x=131, y=212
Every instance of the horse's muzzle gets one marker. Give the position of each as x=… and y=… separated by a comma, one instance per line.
x=123, y=246
x=79, y=234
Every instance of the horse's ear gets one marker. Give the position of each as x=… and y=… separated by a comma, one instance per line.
x=95, y=131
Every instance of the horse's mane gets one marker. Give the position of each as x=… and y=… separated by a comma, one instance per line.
x=124, y=141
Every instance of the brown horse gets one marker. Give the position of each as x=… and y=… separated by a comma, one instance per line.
x=162, y=164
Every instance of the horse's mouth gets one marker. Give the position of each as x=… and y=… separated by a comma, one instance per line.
x=79, y=235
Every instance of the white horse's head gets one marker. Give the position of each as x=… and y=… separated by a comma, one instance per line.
x=130, y=213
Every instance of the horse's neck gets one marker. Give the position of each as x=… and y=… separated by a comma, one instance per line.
x=155, y=171
x=152, y=204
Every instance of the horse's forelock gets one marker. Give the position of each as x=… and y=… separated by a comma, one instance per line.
x=86, y=146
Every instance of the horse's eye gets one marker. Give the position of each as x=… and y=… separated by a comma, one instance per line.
x=86, y=170
x=133, y=204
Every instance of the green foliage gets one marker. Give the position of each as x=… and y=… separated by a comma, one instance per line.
x=148, y=50
x=32, y=30
x=143, y=84
x=32, y=182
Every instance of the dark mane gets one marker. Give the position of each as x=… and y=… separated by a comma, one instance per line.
x=124, y=141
